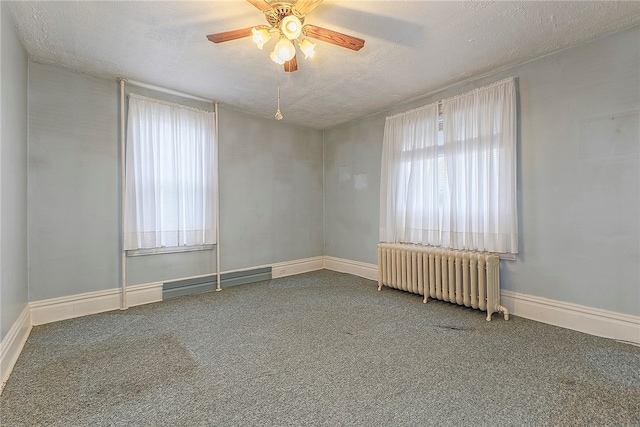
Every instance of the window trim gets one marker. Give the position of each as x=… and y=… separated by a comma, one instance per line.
x=212, y=190
x=168, y=250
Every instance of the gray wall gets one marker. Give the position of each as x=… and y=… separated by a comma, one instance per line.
x=13, y=176
x=578, y=173
x=270, y=174
x=271, y=191
x=73, y=183
x=352, y=189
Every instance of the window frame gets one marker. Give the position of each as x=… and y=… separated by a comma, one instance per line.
x=208, y=190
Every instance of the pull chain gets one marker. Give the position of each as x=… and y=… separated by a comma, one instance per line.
x=278, y=113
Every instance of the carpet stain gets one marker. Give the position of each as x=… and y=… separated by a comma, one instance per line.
x=589, y=403
x=105, y=375
x=452, y=328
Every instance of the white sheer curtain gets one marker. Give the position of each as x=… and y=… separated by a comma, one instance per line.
x=409, y=208
x=480, y=152
x=170, y=176
x=455, y=188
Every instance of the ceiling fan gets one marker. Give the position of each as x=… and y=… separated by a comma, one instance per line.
x=286, y=19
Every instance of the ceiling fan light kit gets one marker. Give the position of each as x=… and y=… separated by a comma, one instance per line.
x=286, y=18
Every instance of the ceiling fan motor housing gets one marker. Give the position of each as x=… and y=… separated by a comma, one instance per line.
x=279, y=10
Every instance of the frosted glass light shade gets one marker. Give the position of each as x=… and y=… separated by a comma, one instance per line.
x=260, y=36
x=307, y=48
x=291, y=27
x=285, y=49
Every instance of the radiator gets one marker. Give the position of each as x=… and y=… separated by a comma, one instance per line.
x=465, y=278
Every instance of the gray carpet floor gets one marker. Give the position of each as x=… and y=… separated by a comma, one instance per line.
x=321, y=348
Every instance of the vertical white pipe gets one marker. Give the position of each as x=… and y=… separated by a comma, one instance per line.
x=217, y=144
x=123, y=254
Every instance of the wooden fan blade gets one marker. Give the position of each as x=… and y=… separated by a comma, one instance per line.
x=230, y=35
x=306, y=6
x=260, y=4
x=291, y=66
x=333, y=37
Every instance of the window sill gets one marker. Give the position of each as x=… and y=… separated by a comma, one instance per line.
x=171, y=250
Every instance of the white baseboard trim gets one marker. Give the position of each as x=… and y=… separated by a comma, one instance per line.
x=69, y=307
x=56, y=309
x=12, y=345
x=144, y=294
x=299, y=266
x=357, y=268
x=593, y=321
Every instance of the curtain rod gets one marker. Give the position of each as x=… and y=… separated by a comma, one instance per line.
x=168, y=91
x=439, y=102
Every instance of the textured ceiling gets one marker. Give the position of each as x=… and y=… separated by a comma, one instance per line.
x=412, y=47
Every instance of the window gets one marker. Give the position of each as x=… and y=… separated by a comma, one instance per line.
x=448, y=173
x=410, y=170
x=170, y=176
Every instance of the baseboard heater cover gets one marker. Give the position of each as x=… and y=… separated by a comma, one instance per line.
x=465, y=278
x=208, y=283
